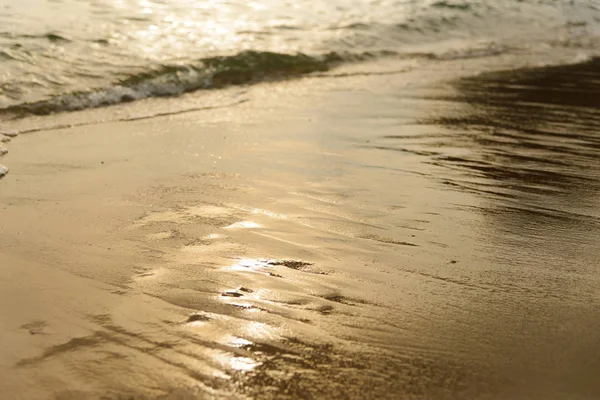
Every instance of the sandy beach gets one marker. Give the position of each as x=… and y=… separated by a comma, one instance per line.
x=418, y=232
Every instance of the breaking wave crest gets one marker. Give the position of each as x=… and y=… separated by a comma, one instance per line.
x=208, y=73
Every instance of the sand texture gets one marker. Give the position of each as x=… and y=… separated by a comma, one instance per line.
x=416, y=234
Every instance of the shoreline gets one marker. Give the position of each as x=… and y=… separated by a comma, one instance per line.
x=366, y=235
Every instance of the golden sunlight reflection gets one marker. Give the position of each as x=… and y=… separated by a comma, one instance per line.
x=258, y=330
x=259, y=211
x=237, y=363
x=235, y=341
x=244, y=225
x=146, y=7
x=251, y=264
x=191, y=27
x=197, y=323
x=213, y=236
x=243, y=363
x=183, y=29
x=257, y=6
x=269, y=213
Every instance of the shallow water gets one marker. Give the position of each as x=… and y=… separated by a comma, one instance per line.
x=390, y=238
x=122, y=50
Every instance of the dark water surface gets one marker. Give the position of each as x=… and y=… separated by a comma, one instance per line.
x=525, y=144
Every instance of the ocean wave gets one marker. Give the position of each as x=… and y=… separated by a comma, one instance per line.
x=245, y=68
x=51, y=37
x=452, y=5
x=208, y=73
x=63, y=69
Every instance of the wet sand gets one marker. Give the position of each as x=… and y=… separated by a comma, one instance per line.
x=415, y=235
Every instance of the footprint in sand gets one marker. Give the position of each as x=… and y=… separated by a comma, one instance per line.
x=197, y=318
x=299, y=266
x=338, y=298
x=236, y=293
x=325, y=310
x=35, y=327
